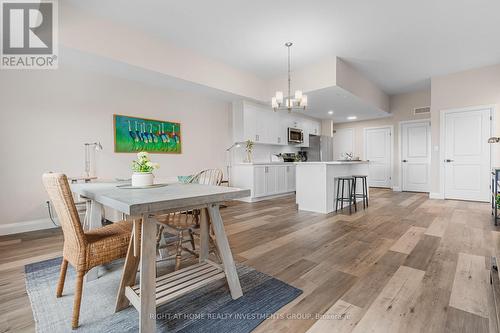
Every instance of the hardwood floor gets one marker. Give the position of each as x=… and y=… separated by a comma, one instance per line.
x=406, y=264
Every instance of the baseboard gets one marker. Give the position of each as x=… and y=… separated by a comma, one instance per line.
x=396, y=189
x=25, y=226
x=436, y=195
x=252, y=199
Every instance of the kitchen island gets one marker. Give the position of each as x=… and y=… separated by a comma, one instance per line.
x=316, y=184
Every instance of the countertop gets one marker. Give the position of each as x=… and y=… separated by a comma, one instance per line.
x=305, y=163
x=333, y=162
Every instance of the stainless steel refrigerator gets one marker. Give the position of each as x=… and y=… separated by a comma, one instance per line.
x=320, y=148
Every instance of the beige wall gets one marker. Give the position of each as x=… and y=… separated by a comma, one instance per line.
x=401, y=108
x=464, y=89
x=46, y=117
x=352, y=80
x=81, y=30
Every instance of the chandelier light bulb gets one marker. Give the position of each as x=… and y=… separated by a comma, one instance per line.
x=298, y=95
x=303, y=101
x=279, y=97
x=274, y=103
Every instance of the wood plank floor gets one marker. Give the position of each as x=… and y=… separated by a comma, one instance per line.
x=405, y=264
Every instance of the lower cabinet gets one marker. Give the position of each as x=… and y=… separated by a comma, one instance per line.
x=264, y=180
x=259, y=181
x=290, y=178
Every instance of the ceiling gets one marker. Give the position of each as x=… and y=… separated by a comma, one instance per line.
x=342, y=103
x=398, y=44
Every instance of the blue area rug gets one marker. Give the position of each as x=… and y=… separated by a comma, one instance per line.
x=209, y=309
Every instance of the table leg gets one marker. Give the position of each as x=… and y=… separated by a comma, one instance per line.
x=204, y=235
x=225, y=252
x=147, y=312
x=95, y=220
x=130, y=268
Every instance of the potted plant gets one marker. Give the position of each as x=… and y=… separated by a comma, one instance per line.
x=249, y=149
x=143, y=170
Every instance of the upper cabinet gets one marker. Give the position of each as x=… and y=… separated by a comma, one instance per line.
x=261, y=125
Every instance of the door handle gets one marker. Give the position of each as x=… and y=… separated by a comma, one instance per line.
x=448, y=160
x=404, y=161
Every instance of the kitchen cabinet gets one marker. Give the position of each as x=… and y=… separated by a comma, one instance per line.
x=259, y=188
x=271, y=181
x=264, y=180
x=261, y=125
x=290, y=178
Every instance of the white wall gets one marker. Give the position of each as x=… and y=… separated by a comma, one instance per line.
x=352, y=80
x=464, y=89
x=83, y=31
x=401, y=109
x=46, y=117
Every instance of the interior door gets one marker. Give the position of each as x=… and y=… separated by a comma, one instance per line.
x=378, y=153
x=343, y=142
x=415, y=156
x=467, y=155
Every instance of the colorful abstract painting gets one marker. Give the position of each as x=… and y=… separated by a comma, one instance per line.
x=154, y=136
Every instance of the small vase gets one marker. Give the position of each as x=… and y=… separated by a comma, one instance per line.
x=142, y=179
x=249, y=157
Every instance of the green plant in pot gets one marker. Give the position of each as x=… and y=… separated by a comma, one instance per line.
x=143, y=169
x=249, y=148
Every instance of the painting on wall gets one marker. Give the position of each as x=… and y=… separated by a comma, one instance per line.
x=139, y=134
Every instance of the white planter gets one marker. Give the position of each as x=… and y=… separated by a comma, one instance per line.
x=142, y=179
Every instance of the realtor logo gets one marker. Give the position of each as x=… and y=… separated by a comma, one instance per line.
x=29, y=34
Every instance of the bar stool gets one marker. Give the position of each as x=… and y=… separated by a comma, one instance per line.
x=340, y=193
x=363, y=195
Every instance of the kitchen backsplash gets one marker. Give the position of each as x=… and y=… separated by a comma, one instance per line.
x=261, y=153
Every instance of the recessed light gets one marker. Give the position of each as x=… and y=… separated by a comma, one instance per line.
x=352, y=118
x=330, y=112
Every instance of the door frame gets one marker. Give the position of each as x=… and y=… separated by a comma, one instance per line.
x=442, y=128
x=400, y=150
x=391, y=134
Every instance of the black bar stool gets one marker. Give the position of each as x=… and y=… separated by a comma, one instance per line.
x=363, y=195
x=340, y=193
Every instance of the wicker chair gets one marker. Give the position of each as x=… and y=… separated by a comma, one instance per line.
x=83, y=250
x=181, y=222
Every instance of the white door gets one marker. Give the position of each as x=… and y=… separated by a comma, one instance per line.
x=378, y=152
x=467, y=155
x=343, y=142
x=415, y=156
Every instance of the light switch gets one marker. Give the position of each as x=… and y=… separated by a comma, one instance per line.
x=436, y=148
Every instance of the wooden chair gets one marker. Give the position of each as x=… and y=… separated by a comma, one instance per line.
x=188, y=221
x=83, y=249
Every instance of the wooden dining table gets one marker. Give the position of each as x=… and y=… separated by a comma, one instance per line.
x=141, y=205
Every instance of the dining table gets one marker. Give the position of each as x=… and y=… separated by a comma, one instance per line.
x=142, y=206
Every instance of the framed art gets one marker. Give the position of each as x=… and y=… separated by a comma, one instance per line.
x=134, y=134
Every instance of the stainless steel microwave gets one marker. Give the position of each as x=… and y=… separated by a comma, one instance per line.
x=295, y=135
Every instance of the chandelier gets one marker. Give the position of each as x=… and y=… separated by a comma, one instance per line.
x=298, y=102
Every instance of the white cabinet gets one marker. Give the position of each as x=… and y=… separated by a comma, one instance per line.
x=264, y=180
x=310, y=127
x=290, y=178
x=261, y=125
x=271, y=186
x=259, y=182
x=281, y=179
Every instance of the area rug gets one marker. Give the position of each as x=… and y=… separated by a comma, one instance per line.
x=209, y=309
